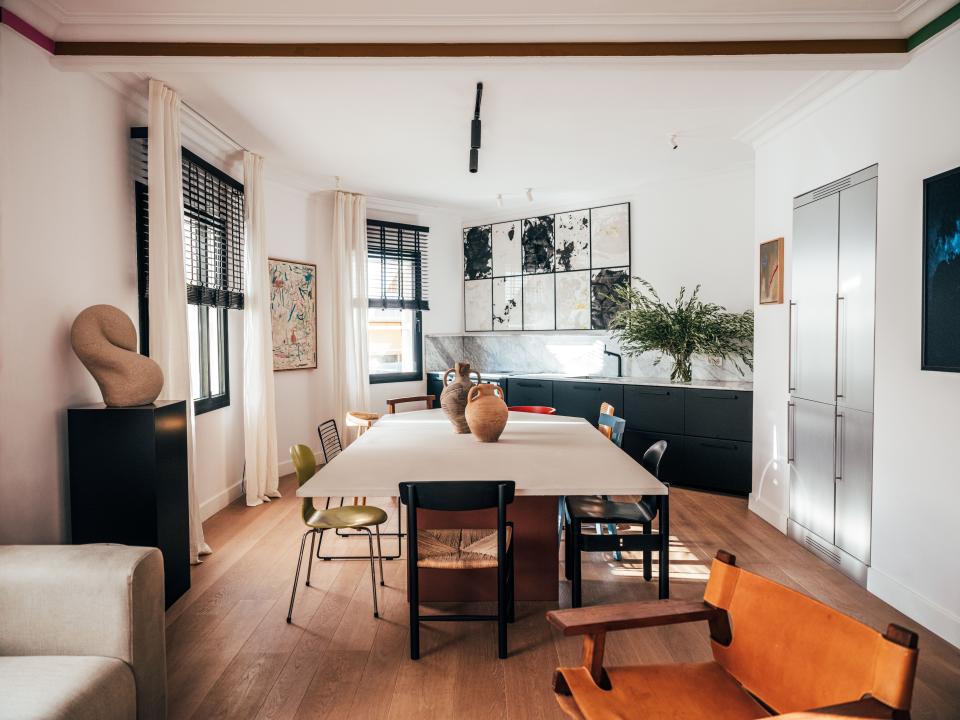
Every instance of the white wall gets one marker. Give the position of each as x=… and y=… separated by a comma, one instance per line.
x=905, y=120
x=66, y=242
x=683, y=233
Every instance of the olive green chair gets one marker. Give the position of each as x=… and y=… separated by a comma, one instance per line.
x=356, y=517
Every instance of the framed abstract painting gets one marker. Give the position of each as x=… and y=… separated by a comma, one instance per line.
x=941, y=272
x=293, y=314
x=771, y=272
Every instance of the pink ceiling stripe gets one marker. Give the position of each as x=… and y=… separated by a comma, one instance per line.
x=31, y=33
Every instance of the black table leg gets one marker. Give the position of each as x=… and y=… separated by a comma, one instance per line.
x=664, y=546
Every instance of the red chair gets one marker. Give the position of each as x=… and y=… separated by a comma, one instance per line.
x=539, y=409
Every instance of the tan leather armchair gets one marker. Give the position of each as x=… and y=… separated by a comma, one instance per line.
x=82, y=632
x=776, y=652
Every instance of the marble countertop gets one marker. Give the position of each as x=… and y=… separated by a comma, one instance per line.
x=742, y=386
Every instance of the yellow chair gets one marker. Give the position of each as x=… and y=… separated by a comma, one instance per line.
x=356, y=517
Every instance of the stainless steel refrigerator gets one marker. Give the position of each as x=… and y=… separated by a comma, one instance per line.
x=831, y=356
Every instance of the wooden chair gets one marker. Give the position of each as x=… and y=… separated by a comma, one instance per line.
x=600, y=510
x=460, y=549
x=355, y=517
x=775, y=652
x=392, y=404
x=607, y=409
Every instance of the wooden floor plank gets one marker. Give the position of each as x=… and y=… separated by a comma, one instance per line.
x=232, y=655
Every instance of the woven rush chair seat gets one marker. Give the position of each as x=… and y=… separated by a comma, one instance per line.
x=348, y=516
x=458, y=549
x=360, y=418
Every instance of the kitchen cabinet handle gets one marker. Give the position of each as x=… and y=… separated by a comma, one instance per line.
x=588, y=388
x=718, y=446
x=841, y=346
x=656, y=393
x=529, y=384
x=791, y=348
x=838, y=449
x=790, y=427
x=720, y=397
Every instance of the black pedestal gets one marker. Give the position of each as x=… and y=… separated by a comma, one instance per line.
x=128, y=482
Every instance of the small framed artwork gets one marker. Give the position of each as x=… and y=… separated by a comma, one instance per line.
x=293, y=314
x=771, y=272
x=941, y=272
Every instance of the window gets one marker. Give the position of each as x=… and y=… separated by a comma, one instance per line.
x=397, y=292
x=213, y=267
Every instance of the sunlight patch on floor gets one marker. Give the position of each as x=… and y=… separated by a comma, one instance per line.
x=684, y=564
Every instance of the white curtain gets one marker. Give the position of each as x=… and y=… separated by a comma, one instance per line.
x=351, y=375
x=259, y=413
x=169, y=345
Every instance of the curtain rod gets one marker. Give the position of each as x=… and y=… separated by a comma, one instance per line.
x=202, y=117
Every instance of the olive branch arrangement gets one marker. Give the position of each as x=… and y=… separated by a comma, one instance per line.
x=681, y=329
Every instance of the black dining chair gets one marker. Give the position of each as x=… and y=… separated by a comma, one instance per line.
x=599, y=510
x=460, y=549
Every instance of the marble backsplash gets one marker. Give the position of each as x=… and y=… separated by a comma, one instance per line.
x=556, y=353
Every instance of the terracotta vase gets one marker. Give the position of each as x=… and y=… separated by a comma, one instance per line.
x=486, y=412
x=453, y=399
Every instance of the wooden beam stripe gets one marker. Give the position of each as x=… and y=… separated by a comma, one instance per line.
x=467, y=50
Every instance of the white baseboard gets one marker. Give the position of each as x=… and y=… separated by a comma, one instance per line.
x=220, y=500
x=932, y=616
x=768, y=512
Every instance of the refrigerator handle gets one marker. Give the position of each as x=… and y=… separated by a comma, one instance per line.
x=791, y=348
x=790, y=428
x=841, y=370
x=838, y=449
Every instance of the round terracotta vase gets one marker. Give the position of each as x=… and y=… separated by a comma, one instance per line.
x=486, y=412
x=453, y=399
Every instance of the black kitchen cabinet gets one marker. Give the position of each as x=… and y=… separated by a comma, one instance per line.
x=128, y=482
x=723, y=414
x=583, y=399
x=653, y=408
x=530, y=392
x=719, y=465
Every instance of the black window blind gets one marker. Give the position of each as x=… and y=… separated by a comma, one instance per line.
x=213, y=232
x=397, y=265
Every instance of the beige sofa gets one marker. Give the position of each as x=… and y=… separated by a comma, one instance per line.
x=81, y=633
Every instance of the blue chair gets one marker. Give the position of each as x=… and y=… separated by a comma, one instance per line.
x=617, y=426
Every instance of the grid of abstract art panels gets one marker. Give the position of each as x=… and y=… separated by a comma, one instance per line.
x=550, y=272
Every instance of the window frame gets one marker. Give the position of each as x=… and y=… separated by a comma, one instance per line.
x=206, y=402
x=414, y=375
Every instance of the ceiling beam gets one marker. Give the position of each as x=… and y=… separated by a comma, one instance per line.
x=479, y=50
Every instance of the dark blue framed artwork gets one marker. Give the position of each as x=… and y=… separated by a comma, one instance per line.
x=941, y=272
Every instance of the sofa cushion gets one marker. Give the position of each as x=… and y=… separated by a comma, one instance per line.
x=59, y=687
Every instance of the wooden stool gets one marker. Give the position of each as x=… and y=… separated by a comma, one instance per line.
x=362, y=421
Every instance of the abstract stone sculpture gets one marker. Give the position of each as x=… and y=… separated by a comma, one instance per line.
x=104, y=339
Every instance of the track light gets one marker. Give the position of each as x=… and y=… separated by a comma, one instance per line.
x=529, y=194
x=475, y=132
x=499, y=200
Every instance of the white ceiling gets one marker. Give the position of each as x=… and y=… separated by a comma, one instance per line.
x=461, y=20
x=570, y=130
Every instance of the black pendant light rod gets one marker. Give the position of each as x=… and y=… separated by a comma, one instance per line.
x=475, y=131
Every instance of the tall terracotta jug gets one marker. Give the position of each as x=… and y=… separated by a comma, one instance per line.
x=486, y=412
x=453, y=399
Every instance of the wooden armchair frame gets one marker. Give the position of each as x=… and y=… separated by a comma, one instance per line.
x=593, y=623
x=393, y=402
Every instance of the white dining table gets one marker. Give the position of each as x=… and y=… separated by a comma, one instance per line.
x=546, y=456
x=543, y=454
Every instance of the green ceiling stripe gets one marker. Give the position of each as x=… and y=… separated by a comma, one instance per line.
x=933, y=27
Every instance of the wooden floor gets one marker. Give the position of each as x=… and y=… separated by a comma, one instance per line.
x=230, y=653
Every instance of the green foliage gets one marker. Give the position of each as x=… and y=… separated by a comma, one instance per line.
x=682, y=329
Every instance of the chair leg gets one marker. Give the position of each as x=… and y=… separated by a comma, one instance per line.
x=413, y=592
x=559, y=518
x=373, y=574
x=568, y=552
x=380, y=555
x=313, y=539
x=576, y=599
x=647, y=556
x=502, y=612
x=512, y=586
x=296, y=577
x=612, y=529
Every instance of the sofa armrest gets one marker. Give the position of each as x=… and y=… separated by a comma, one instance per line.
x=104, y=600
x=622, y=616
